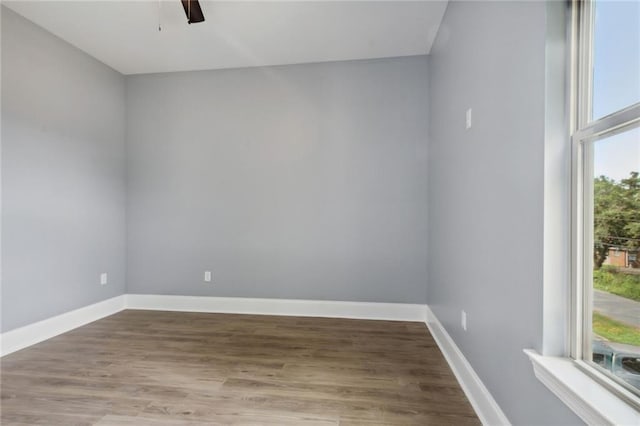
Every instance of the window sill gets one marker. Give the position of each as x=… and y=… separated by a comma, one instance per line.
x=594, y=403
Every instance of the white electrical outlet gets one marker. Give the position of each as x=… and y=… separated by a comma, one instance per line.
x=463, y=320
x=207, y=276
x=103, y=278
x=468, y=120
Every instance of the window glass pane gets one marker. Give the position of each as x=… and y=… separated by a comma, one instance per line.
x=616, y=56
x=616, y=256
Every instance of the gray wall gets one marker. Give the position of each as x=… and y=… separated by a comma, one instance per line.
x=304, y=181
x=63, y=195
x=486, y=197
x=292, y=182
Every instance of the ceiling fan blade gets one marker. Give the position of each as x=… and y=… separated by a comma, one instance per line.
x=193, y=11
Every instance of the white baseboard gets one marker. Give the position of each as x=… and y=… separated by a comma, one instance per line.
x=31, y=334
x=285, y=307
x=485, y=406
x=483, y=403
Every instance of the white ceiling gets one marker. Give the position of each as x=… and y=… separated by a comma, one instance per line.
x=125, y=36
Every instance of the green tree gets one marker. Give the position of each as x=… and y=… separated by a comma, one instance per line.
x=616, y=215
x=631, y=187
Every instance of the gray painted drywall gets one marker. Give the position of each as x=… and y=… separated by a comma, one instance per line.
x=486, y=197
x=305, y=181
x=63, y=194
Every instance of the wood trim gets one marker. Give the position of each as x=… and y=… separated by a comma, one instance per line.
x=591, y=401
x=156, y=367
x=483, y=403
x=284, y=307
x=481, y=399
x=31, y=334
x=22, y=337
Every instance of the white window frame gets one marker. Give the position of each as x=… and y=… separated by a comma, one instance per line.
x=579, y=386
x=584, y=132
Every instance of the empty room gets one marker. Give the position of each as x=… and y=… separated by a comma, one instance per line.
x=320, y=212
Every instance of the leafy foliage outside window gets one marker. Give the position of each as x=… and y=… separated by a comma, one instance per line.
x=616, y=216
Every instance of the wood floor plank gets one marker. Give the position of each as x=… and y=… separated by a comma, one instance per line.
x=181, y=368
x=216, y=419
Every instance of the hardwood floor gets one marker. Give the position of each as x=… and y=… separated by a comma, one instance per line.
x=176, y=368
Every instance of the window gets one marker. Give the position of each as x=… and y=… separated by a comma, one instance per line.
x=606, y=193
